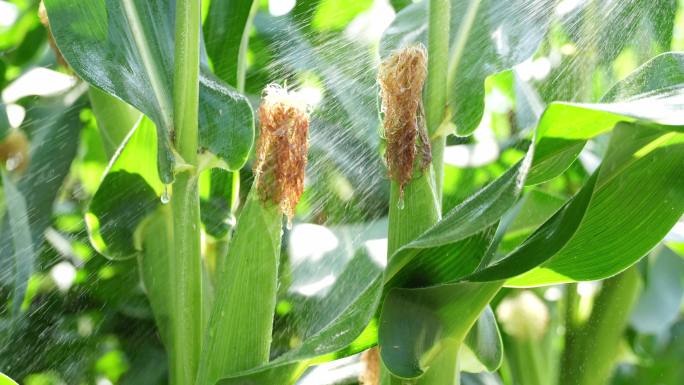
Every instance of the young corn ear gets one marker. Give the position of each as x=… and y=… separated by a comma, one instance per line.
x=401, y=77
x=241, y=322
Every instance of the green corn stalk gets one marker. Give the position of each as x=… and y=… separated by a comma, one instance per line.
x=591, y=358
x=186, y=269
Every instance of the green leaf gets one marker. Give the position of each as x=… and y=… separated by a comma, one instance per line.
x=454, y=246
x=115, y=119
x=26, y=38
x=48, y=122
x=343, y=312
x=284, y=374
x=331, y=322
x=533, y=210
x=215, y=210
x=226, y=29
x=129, y=191
x=19, y=227
x=398, y=5
x=487, y=36
x=621, y=24
x=658, y=306
x=333, y=15
x=483, y=347
x=651, y=93
x=480, y=379
x=416, y=324
x=622, y=212
x=132, y=43
x=4, y=380
x=662, y=16
x=544, y=242
x=4, y=122
x=156, y=246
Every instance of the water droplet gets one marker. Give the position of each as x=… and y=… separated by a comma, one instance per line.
x=165, y=195
x=231, y=220
x=13, y=162
x=400, y=203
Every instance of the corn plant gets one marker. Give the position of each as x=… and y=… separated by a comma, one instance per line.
x=208, y=177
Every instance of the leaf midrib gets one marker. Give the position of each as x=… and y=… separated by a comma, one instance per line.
x=149, y=63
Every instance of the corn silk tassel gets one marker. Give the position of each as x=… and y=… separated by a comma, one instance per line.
x=401, y=77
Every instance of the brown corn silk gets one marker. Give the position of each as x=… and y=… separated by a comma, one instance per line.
x=281, y=149
x=401, y=77
x=371, y=373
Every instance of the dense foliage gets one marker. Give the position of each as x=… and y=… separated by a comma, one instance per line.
x=538, y=236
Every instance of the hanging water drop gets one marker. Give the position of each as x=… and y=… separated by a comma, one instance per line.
x=231, y=220
x=14, y=162
x=165, y=195
x=400, y=203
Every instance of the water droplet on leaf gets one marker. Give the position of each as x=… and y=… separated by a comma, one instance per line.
x=165, y=195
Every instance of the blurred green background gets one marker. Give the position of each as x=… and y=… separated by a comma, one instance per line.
x=86, y=320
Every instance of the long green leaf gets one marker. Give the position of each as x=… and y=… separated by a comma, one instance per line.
x=115, y=119
x=533, y=210
x=659, y=303
x=622, y=212
x=544, y=242
x=438, y=251
x=130, y=190
x=19, y=227
x=485, y=345
x=417, y=324
x=131, y=44
x=4, y=380
x=226, y=33
x=156, y=246
x=652, y=93
x=4, y=122
x=636, y=201
x=48, y=122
